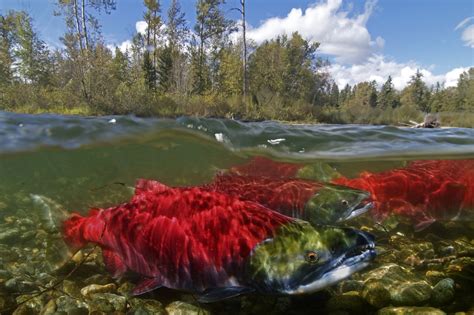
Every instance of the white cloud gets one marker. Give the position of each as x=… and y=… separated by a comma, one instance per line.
x=468, y=33
x=141, y=26
x=378, y=68
x=126, y=45
x=343, y=36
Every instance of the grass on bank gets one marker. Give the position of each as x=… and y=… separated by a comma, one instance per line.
x=136, y=102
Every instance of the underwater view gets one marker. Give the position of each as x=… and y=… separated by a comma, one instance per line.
x=128, y=215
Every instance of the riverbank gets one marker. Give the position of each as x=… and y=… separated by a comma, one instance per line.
x=172, y=106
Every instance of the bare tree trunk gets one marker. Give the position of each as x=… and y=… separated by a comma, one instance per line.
x=84, y=24
x=201, y=58
x=78, y=25
x=154, y=40
x=244, y=63
x=81, y=46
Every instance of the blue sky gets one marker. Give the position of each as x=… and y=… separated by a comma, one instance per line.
x=365, y=40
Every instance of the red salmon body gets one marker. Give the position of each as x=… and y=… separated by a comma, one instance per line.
x=288, y=196
x=184, y=238
x=423, y=190
x=262, y=166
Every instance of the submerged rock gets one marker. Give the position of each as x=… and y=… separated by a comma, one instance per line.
x=49, y=308
x=71, y=288
x=376, y=294
x=18, y=285
x=107, y=302
x=71, y=306
x=145, y=307
x=182, y=308
x=411, y=293
x=443, y=292
x=9, y=234
x=404, y=287
x=126, y=288
x=410, y=311
x=434, y=276
x=97, y=288
x=30, y=304
x=351, y=285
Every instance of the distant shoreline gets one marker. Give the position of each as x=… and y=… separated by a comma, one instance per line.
x=409, y=124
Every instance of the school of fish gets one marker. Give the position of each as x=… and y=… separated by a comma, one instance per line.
x=258, y=228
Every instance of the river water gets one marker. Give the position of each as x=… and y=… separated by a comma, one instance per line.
x=84, y=162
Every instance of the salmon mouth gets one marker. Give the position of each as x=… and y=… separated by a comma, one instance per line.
x=340, y=267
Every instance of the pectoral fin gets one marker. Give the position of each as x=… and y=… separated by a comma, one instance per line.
x=218, y=294
x=147, y=285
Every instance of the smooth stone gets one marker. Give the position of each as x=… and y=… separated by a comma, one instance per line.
x=107, y=302
x=443, y=292
x=182, y=308
x=410, y=311
x=351, y=285
x=4, y=274
x=434, y=276
x=97, y=288
x=376, y=294
x=447, y=250
x=71, y=288
x=23, y=309
x=28, y=304
x=98, y=279
x=12, y=233
x=28, y=235
x=49, y=308
x=145, y=307
x=18, y=285
x=71, y=306
x=412, y=294
x=126, y=288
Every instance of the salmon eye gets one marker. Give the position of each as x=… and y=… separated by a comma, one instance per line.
x=312, y=257
x=345, y=202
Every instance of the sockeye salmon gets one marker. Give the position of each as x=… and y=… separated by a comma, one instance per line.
x=315, y=202
x=217, y=245
x=424, y=191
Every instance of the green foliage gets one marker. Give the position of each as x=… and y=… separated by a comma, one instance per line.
x=212, y=29
x=166, y=73
x=416, y=94
x=388, y=97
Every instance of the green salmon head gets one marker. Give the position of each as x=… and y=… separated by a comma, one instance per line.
x=301, y=258
x=335, y=203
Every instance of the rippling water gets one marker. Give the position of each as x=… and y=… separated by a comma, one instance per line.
x=79, y=159
x=84, y=162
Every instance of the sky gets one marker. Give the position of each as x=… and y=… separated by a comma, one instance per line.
x=363, y=40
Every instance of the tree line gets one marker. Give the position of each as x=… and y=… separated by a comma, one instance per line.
x=209, y=70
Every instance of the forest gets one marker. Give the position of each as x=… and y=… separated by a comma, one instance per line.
x=173, y=69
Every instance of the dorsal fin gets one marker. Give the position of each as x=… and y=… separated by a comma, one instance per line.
x=149, y=186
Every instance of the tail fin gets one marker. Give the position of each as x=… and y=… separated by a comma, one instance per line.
x=51, y=213
x=53, y=217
